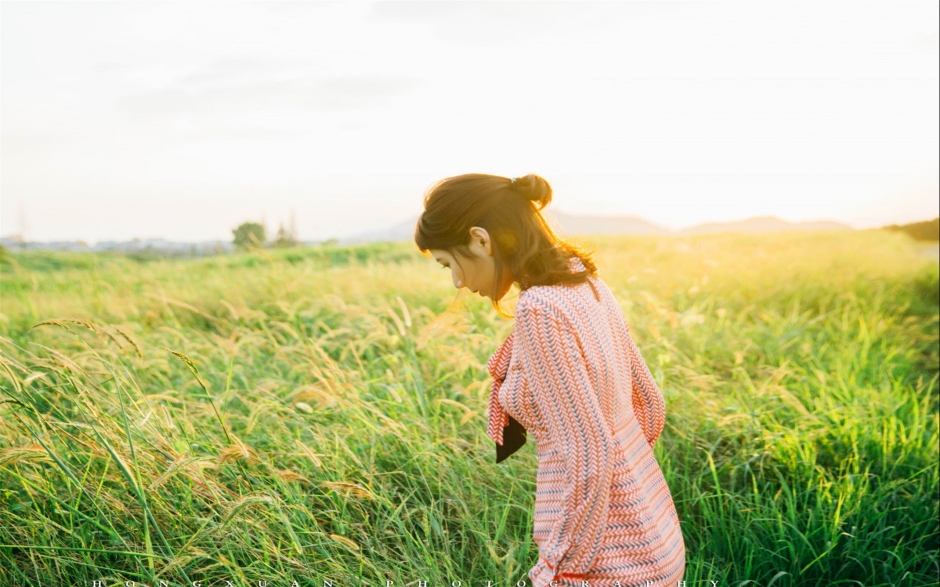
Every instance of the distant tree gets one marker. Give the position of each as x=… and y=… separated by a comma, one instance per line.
x=928, y=230
x=286, y=237
x=249, y=233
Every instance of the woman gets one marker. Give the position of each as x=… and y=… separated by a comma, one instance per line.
x=569, y=374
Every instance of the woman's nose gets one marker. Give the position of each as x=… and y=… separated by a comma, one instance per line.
x=457, y=283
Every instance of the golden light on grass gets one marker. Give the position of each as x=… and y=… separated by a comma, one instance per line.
x=344, y=541
x=347, y=487
x=212, y=432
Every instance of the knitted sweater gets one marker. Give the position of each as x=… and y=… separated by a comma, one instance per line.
x=571, y=375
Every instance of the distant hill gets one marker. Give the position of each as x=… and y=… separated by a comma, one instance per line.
x=638, y=226
x=763, y=224
x=570, y=224
x=565, y=224
x=928, y=230
x=404, y=230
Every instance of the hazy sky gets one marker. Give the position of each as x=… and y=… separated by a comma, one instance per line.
x=181, y=120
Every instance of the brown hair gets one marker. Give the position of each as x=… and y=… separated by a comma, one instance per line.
x=510, y=211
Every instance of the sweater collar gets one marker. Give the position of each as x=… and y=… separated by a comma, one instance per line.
x=575, y=264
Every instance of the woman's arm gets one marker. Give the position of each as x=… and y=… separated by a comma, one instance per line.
x=648, y=403
x=555, y=366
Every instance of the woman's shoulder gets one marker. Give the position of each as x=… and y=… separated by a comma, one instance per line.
x=542, y=296
x=559, y=299
x=552, y=300
x=563, y=301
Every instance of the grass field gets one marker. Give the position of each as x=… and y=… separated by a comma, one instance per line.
x=313, y=414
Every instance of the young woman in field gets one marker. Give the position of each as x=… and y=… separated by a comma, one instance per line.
x=569, y=374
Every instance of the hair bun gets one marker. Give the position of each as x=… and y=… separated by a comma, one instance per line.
x=533, y=187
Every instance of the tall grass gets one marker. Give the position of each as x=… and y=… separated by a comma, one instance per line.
x=297, y=415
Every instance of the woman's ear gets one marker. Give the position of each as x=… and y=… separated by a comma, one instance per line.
x=480, y=241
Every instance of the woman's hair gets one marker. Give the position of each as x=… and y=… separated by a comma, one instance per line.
x=510, y=211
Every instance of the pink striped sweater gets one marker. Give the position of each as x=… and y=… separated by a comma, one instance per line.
x=571, y=375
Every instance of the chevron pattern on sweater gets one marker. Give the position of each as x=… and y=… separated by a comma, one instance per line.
x=498, y=366
x=571, y=374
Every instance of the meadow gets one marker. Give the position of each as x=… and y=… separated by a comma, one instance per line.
x=317, y=414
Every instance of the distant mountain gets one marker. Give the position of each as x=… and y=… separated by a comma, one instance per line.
x=571, y=224
x=587, y=225
x=403, y=231
x=762, y=224
x=565, y=224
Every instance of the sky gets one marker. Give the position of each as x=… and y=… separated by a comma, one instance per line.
x=180, y=120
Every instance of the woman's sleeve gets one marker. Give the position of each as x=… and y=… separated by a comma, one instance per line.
x=648, y=403
x=555, y=367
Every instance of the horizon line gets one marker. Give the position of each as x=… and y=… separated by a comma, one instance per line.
x=591, y=216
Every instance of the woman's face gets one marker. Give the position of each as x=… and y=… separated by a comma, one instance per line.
x=477, y=273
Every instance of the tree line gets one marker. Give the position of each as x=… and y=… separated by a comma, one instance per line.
x=928, y=230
